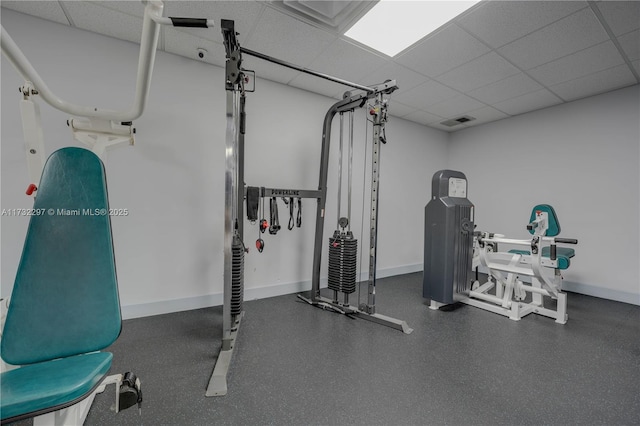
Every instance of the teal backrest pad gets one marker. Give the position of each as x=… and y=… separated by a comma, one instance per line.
x=554, y=224
x=65, y=297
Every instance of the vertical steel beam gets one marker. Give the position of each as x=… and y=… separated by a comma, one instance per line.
x=240, y=164
x=233, y=197
x=378, y=122
x=230, y=207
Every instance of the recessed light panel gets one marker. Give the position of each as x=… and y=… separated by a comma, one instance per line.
x=393, y=25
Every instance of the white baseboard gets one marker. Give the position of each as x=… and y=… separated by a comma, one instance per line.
x=603, y=293
x=198, y=302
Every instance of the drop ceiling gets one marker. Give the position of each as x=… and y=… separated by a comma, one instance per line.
x=498, y=59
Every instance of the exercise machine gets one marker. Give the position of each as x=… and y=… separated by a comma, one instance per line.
x=239, y=82
x=343, y=247
x=512, y=297
x=453, y=249
x=65, y=307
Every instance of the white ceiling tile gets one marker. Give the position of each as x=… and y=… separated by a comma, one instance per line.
x=319, y=85
x=105, y=21
x=621, y=16
x=454, y=107
x=630, y=43
x=602, y=56
x=507, y=88
x=426, y=94
x=442, y=51
x=569, y=35
x=187, y=45
x=405, y=78
x=529, y=102
x=50, y=10
x=479, y=72
x=600, y=82
x=501, y=22
x=244, y=13
x=283, y=37
x=135, y=8
x=398, y=109
x=360, y=61
x=485, y=115
x=560, y=34
x=423, y=117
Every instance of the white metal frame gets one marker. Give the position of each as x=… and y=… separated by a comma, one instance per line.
x=504, y=271
x=76, y=414
x=97, y=128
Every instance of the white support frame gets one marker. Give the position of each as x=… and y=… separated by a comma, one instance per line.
x=97, y=128
x=146, y=59
x=76, y=414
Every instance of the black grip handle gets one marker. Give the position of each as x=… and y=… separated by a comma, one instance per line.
x=566, y=240
x=189, y=22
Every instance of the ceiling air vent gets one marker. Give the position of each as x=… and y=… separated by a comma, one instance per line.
x=328, y=14
x=457, y=121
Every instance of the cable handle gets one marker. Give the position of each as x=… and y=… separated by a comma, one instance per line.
x=291, y=221
x=275, y=221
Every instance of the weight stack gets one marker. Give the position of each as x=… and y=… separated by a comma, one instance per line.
x=237, y=275
x=343, y=258
x=448, y=238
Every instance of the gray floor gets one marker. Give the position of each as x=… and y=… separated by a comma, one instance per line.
x=297, y=365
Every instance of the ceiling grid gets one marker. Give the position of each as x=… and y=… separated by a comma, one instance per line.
x=497, y=59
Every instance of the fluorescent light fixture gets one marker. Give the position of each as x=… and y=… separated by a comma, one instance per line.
x=393, y=25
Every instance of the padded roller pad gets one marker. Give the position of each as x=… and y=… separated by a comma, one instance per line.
x=57, y=383
x=560, y=251
x=553, y=224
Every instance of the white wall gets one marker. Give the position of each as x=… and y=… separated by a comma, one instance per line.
x=169, y=248
x=583, y=158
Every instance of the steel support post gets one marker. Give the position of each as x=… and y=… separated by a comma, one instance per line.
x=378, y=122
x=218, y=382
x=234, y=193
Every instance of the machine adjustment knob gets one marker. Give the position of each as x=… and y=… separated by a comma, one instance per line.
x=31, y=189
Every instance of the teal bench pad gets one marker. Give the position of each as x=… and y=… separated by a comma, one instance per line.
x=65, y=297
x=56, y=383
x=563, y=255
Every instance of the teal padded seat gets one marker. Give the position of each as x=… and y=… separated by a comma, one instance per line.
x=64, y=306
x=563, y=255
x=68, y=380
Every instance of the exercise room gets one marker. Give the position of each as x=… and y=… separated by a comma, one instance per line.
x=329, y=212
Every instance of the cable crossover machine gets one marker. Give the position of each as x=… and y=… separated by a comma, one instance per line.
x=342, y=245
